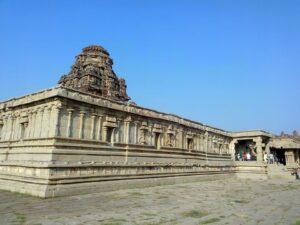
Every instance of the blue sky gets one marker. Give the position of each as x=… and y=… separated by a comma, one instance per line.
x=230, y=64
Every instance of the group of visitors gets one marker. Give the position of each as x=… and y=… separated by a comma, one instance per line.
x=245, y=156
x=271, y=158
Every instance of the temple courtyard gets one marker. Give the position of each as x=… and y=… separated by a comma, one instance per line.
x=228, y=201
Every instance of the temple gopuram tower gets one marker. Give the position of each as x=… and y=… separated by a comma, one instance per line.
x=92, y=73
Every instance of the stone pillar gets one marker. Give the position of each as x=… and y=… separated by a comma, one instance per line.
x=117, y=129
x=259, y=152
x=55, y=114
x=69, y=125
x=8, y=129
x=46, y=122
x=32, y=124
x=105, y=133
x=99, y=127
x=135, y=136
x=81, y=125
x=151, y=135
x=13, y=128
x=183, y=140
x=209, y=144
x=126, y=131
x=92, y=136
x=36, y=123
x=232, y=148
x=41, y=123
x=4, y=128
x=206, y=145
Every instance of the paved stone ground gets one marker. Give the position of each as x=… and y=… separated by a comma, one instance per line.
x=215, y=202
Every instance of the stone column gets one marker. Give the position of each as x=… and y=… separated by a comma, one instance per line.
x=8, y=129
x=69, y=125
x=46, y=122
x=135, y=136
x=183, y=140
x=151, y=135
x=55, y=114
x=126, y=131
x=81, y=125
x=13, y=126
x=99, y=127
x=105, y=133
x=209, y=144
x=232, y=148
x=117, y=129
x=36, y=123
x=206, y=145
x=92, y=136
x=41, y=123
x=32, y=124
x=4, y=128
x=259, y=152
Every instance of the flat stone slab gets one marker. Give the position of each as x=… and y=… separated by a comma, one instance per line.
x=229, y=201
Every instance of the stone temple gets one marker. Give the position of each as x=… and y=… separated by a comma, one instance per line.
x=85, y=135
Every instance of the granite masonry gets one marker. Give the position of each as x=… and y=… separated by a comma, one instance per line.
x=85, y=135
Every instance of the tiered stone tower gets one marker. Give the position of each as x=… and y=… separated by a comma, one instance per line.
x=92, y=73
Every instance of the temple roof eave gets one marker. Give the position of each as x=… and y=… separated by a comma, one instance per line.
x=60, y=91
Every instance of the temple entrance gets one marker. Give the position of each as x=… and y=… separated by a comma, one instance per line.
x=279, y=155
x=157, y=140
x=245, y=150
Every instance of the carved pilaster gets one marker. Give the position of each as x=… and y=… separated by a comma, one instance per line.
x=70, y=120
x=41, y=122
x=55, y=115
x=135, y=136
x=8, y=127
x=99, y=127
x=105, y=133
x=81, y=125
x=127, y=130
x=93, y=117
x=118, y=130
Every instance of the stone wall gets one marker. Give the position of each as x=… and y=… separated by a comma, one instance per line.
x=62, y=142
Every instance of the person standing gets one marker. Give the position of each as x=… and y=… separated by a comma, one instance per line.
x=248, y=156
x=271, y=158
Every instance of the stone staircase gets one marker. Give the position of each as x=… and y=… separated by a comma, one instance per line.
x=279, y=172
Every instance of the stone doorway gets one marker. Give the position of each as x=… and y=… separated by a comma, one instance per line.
x=279, y=155
x=245, y=150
